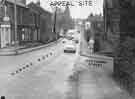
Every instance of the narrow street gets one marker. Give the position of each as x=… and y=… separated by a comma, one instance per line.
x=47, y=80
x=67, y=50
x=57, y=78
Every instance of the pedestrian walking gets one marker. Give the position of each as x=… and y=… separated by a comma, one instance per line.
x=91, y=45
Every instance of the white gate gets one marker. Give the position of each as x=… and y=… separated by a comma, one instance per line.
x=100, y=62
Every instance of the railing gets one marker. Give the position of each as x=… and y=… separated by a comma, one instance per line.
x=100, y=61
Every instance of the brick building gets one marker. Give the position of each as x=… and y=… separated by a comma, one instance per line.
x=7, y=11
x=44, y=23
x=34, y=24
x=25, y=22
x=112, y=23
x=119, y=19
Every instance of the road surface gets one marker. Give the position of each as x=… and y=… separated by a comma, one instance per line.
x=52, y=78
x=47, y=80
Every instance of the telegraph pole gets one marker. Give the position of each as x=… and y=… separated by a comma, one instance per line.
x=55, y=17
x=15, y=20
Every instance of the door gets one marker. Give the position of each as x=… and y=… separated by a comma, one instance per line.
x=5, y=33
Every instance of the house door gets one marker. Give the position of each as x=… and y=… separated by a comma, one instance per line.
x=5, y=33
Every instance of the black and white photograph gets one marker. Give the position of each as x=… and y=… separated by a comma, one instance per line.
x=67, y=49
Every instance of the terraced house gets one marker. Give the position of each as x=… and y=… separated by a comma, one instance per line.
x=43, y=21
x=33, y=24
x=119, y=19
x=7, y=19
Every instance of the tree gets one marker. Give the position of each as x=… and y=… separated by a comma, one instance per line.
x=64, y=20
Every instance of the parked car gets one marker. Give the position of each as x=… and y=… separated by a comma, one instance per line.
x=69, y=37
x=70, y=48
x=64, y=40
x=76, y=41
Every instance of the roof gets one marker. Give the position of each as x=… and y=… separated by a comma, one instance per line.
x=112, y=3
x=21, y=3
x=95, y=18
x=38, y=8
x=108, y=3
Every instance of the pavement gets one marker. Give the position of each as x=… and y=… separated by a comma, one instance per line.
x=94, y=82
x=17, y=50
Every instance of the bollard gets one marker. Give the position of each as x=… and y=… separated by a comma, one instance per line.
x=20, y=69
x=12, y=73
x=31, y=64
x=51, y=53
x=27, y=66
x=95, y=65
x=39, y=59
x=23, y=67
x=2, y=97
x=17, y=71
x=99, y=65
x=43, y=57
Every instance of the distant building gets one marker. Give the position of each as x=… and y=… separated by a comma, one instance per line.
x=44, y=22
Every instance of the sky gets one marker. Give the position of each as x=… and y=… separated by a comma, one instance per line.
x=77, y=11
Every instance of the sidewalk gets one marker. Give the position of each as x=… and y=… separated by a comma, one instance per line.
x=92, y=82
x=23, y=49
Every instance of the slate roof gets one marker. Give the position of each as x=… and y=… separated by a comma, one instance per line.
x=21, y=3
x=38, y=9
x=95, y=18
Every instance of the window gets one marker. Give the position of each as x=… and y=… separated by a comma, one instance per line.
x=125, y=3
x=109, y=3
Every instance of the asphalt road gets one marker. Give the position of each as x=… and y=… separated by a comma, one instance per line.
x=48, y=80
